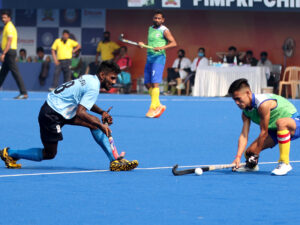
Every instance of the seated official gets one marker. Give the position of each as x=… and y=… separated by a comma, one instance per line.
x=250, y=59
x=229, y=57
x=199, y=61
x=178, y=72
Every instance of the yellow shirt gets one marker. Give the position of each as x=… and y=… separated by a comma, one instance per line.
x=64, y=50
x=9, y=31
x=107, y=49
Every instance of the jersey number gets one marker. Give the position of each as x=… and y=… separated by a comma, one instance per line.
x=62, y=87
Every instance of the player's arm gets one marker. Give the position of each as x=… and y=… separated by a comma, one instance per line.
x=106, y=117
x=78, y=46
x=264, y=111
x=243, y=139
x=93, y=120
x=7, y=47
x=171, y=41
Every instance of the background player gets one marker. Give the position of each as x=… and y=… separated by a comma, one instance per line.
x=68, y=104
x=9, y=53
x=160, y=38
x=278, y=120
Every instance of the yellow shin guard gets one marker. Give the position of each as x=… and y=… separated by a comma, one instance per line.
x=155, y=98
x=284, y=141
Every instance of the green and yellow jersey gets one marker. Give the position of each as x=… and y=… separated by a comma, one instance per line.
x=156, y=38
x=283, y=109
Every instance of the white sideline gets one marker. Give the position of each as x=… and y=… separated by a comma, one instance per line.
x=101, y=171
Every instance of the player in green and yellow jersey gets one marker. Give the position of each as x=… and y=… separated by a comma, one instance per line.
x=160, y=38
x=278, y=120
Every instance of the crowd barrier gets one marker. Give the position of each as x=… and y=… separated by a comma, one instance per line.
x=30, y=73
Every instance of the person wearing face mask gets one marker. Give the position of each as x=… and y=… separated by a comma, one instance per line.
x=199, y=61
x=179, y=71
x=106, y=48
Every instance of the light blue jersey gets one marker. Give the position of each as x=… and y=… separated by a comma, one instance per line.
x=66, y=98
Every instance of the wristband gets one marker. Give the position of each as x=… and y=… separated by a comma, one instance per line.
x=238, y=156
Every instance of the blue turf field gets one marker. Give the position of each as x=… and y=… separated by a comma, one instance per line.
x=192, y=131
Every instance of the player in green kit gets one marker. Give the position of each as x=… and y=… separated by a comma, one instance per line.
x=278, y=120
x=160, y=38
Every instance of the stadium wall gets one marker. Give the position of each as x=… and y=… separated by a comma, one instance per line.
x=216, y=31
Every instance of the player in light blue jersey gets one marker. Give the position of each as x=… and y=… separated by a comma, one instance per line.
x=68, y=104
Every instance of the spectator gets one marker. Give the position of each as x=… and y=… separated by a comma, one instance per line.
x=45, y=61
x=107, y=48
x=62, y=50
x=249, y=59
x=178, y=72
x=199, y=61
x=76, y=65
x=22, y=56
x=228, y=57
x=9, y=54
x=124, y=62
x=264, y=61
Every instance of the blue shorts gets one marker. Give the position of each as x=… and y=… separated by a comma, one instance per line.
x=154, y=70
x=273, y=133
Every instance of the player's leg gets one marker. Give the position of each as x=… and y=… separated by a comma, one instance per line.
x=147, y=82
x=156, y=79
x=11, y=60
x=116, y=164
x=286, y=128
x=251, y=154
x=56, y=74
x=66, y=70
x=4, y=71
x=50, y=130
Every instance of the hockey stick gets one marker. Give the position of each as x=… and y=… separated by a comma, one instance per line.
x=112, y=144
x=204, y=169
x=121, y=38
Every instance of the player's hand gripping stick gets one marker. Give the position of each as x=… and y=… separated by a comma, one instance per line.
x=112, y=144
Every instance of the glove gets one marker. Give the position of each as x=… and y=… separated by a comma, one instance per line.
x=251, y=159
x=106, y=118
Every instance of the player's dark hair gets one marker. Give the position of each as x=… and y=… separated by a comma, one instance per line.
x=182, y=51
x=238, y=85
x=203, y=50
x=264, y=54
x=108, y=66
x=158, y=11
x=66, y=32
x=6, y=12
x=39, y=49
x=124, y=47
x=249, y=52
x=232, y=48
x=23, y=50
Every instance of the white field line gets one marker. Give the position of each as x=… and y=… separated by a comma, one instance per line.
x=101, y=171
x=189, y=99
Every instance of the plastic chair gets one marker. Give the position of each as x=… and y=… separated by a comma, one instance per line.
x=291, y=77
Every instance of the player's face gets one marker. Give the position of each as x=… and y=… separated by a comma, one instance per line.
x=5, y=19
x=158, y=20
x=108, y=80
x=242, y=98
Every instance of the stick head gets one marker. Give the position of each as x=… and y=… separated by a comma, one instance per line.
x=121, y=37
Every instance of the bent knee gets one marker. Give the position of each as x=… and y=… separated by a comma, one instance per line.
x=49, y=154
x=283, y=123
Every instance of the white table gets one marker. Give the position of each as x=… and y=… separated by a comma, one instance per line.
x=215, y=81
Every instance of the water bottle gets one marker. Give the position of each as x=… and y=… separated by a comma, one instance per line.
x=235, y=61
x=210, y=62
x=224, y=59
